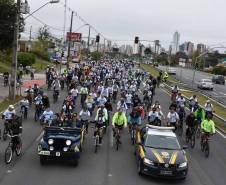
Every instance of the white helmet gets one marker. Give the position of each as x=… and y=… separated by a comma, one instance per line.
x=11, y=107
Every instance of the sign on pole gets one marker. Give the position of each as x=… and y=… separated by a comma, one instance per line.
x=74, y=37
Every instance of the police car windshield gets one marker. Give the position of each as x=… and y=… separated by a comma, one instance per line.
x=162, y=142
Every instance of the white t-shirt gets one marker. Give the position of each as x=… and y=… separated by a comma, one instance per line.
x=173, y=117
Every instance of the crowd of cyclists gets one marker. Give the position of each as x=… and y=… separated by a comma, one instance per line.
x=115, y=92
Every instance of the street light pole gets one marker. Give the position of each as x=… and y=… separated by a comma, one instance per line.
x=88, y=39
x=50, y=2
x=69, y=40
x=12, y=87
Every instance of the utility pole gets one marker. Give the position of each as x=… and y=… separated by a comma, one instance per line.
x=88, y=39
x=30, y=33
x=12, y=87
x=69, y=41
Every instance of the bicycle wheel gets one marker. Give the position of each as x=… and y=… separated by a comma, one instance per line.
x=207, y=150
x=18, y=147
x=133, y=136
x=96, y=143
x=36, y=116
x=192, y=141
x=4, y=134
x=198, y=133
x=8, y=154
x=117, y=144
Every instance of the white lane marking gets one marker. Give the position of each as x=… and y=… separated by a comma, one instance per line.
x=188, y=109
x=214, y=93
x=9, y=171
x=111, y=138
x=221, y=134
x=222, y=93
x=109, y=175
x=39, y=137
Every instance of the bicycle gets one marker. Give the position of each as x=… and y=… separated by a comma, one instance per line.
x=15, y=145
x=117, y=137
x=205, y=147
x=98, y=133
x=5, y=130
x=132, y=131
x=23, y=111
x=198, y=128
x=180, y=127
x=38, y=111
x=190, y=137
x=55, y=96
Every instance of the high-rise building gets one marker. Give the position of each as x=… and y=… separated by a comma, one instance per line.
x=190, y=49
x=201, y=48
x=176, y=41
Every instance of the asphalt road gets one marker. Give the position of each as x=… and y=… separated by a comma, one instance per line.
x=108, y=166
x=186, y=76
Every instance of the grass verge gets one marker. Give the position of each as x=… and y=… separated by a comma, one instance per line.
x=4, y=67
x=40, y=65
x=221, y=111
x=154, y=72
x=5, y=103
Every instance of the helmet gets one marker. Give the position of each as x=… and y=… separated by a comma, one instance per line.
x=11, y=107
x=208, y=101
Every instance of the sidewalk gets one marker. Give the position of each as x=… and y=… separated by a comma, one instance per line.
x=39, y=79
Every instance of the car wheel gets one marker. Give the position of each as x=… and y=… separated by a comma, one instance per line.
x=140, y=168
x=74, y=162
x=43, y=160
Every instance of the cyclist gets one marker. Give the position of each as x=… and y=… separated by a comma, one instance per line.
x=192, y=102
x=119, y=121
x=136, y=100
x=89, y=103
x=74, y=92
x=84, y=117
x=153, y=116
x=174, y=91
x=84, y=92
x=47, y=116
x=101, y=120
x=200, y=115
x=180, y=100
x=134, y=119
x=173, y=117
x=122, y=105
x=24, y=104
x=190, y=124
x=157, y=105
x=101, y=100
x=208, y=107
x=208, y=127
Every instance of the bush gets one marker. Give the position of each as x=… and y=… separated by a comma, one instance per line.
x=219, y=70
x=26, y=59
x=96, y=55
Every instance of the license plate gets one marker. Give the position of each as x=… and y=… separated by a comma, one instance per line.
x=44, y=153
x=163, y=172
x=58, y=154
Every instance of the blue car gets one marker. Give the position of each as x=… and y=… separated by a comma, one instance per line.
x=60, y=142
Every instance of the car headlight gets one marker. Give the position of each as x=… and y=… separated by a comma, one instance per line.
x=183, y=165
x=68, y=142
x=147, y=161
x=50, y=141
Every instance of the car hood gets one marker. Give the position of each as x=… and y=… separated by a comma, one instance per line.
x=165, y=156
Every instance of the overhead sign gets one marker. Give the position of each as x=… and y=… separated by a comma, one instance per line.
x=74, y=37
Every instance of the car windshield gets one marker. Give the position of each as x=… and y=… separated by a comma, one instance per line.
x=162, y=142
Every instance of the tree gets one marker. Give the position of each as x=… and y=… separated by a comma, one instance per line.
x=7, y=23
x=96, y=55
x=44, y=33
x=147, y=51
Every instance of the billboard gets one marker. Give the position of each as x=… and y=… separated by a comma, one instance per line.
x=75, y=37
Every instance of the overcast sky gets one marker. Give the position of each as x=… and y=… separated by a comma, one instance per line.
x=196, y=20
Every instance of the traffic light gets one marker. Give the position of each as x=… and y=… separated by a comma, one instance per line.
x=97, y=38
x=136, y=40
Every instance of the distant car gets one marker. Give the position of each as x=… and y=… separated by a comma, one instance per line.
x=61, y=142
x=218, y=79
x=171, y=71
x=156, y=64
x=205, y=84
x=159, y=153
